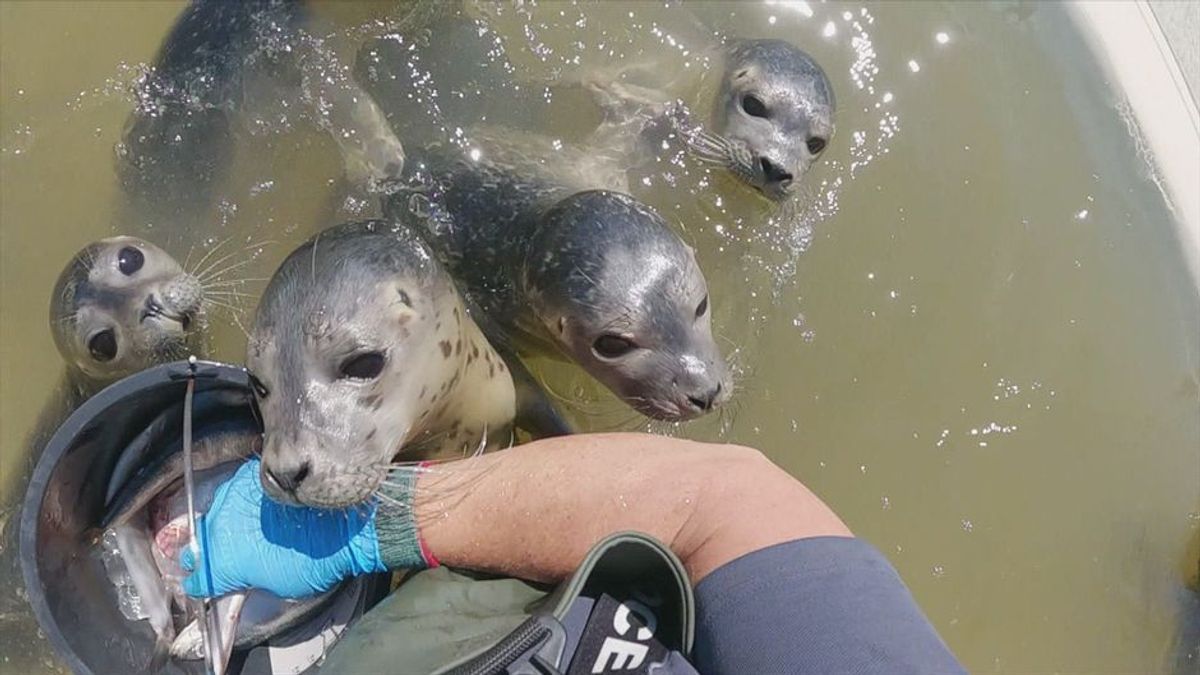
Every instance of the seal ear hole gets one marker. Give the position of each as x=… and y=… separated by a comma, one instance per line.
x=103, y=345
x=753, y=106
x=609, y=346
x=816, y=144
x=130, y=260
x=362, y=366
x=404, y=297
x=702, y=307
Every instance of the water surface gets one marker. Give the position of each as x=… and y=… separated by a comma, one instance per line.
x=978, y=341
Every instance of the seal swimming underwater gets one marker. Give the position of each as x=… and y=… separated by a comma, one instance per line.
x=366, y=353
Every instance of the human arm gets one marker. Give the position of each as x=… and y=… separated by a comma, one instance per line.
x=534, y=510
x=531, y=511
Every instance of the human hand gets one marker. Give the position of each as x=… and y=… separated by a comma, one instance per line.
x=249, y=541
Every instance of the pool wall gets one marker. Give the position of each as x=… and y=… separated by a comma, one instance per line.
x=1146, y=50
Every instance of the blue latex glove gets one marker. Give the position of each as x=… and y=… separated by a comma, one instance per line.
x=249, y=541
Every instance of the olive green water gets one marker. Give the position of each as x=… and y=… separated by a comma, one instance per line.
x=979, y=344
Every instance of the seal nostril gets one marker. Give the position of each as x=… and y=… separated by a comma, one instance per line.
x=288, y=481
x=705, y=401
x=774, y=174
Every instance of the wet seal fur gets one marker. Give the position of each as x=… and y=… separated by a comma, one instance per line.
x=770, y=115
x=120, y=306
x=563, y=270
x=366, y=353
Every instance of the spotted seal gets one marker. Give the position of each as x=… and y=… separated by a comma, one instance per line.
x=563, y=269
x=366, y=353
x=770, y=113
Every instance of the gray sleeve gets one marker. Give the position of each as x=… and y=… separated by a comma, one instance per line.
x=823, y=605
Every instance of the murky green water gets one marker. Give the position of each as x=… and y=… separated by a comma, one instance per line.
x=979, y=344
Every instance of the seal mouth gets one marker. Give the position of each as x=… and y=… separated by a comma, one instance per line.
x=665, y=410
x=154, y=309
x=774, y=192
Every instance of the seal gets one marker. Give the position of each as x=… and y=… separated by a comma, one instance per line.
x=770, y=113
x=561, y=269
x=121, y=305
x=366, y=352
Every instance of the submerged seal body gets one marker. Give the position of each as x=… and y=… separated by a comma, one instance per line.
x=564, y=270
x=366, y=353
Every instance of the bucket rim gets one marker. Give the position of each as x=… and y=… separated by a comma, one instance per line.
x=215, y=374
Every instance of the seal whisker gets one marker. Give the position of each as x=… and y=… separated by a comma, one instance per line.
x=202, y=270
x=232, y=282
x=194, y=271
x=230, y=295
x=210, y=276
x=223, y=304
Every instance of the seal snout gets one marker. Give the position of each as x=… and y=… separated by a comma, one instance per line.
x=700, y=387
x=776, y=180
x=705, y=401
x=286, y=479
x=179, y=301
x=282, y=478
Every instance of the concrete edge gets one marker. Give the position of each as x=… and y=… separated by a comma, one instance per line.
x=1129, y=43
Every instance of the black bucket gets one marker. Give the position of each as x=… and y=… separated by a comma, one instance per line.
x=69, y=588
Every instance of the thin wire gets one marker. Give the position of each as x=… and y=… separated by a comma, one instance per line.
x=190, y=488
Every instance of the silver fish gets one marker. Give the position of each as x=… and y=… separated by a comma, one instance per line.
x=148, y=515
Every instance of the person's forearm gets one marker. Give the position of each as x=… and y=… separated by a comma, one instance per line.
x=533, y=511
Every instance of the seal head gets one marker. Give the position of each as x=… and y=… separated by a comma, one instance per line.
x=622, y=295
x=775, y=110
x=363, y=348
x=121, y=305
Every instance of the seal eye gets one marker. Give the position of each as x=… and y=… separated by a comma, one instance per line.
x=103, y=345
x=816, y=144
x=754, y=106
x=130, y=260
x=364, y=366
x=702, y=307
x=612, y=346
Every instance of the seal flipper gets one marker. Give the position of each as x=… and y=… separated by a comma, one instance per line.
x=535, y=413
